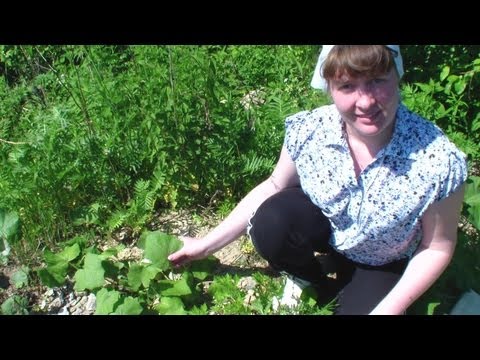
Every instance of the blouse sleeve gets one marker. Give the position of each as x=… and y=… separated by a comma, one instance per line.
x=455, y=174
x=296, y=133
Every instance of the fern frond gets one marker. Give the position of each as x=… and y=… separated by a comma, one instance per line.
x=117, y=219
x=256, y=164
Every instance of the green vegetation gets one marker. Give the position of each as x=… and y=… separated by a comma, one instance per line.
x=95, y=139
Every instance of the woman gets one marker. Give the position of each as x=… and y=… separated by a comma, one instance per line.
x=365, y=180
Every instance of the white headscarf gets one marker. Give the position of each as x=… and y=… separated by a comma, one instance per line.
x=319, y=82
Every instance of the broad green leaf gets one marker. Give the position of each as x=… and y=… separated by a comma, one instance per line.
x=202, y=268
x=4, y=248
x=141, y=275
x=112, y=269
x=158, y=246
x=474, y=216
x=130, y=306
x=48, y=279
x=20, y=277
x=15, y=305
x=69, y=253
x=80, y=240
x=112, y=251
x=92, y=275
x=135, y=276
x=170, y=306
x=472, y=187
x=9, y=225
x=175, y=288
x=473, y=200
x=148, y=274
x=91, y=250
x=56, y=270
x=57, y=265
x=106, y=301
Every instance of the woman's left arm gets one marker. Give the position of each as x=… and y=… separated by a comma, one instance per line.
x=439, y=226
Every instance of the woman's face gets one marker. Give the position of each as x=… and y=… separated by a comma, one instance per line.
x=367, y=105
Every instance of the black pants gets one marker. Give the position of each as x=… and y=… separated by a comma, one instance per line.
x=286, y=230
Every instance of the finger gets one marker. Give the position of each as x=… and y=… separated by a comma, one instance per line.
x=176, y=256
x=177, y=263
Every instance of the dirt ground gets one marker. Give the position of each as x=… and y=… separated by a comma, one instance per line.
x=238, y=257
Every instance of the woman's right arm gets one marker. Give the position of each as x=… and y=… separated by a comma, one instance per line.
x=235, y=224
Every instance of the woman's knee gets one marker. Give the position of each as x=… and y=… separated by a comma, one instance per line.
x=268, y=230
x=288, y=225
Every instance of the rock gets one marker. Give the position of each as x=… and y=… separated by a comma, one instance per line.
x=247, y=283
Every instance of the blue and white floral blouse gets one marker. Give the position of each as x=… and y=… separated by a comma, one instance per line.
x=375, y=219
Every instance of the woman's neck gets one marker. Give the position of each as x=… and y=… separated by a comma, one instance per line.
x=370, y=144
x=364, y=149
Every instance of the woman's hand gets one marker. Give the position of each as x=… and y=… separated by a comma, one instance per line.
x=193, y=249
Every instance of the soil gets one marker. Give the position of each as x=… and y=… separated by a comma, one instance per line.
x=238, y=257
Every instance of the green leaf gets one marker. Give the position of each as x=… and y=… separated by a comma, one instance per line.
x=473, y=200
x=92, y=275
x=170, y=306
x=106, y=301
x=9, y=225
x=472, y=187
x=112, y=251
x=9, y=230
x=57, y=265
x=444, y=73
x=15, y=305
x=134, y=276
x=130, y=306
x=20, y=277
x=431, y=307
x=440, y=111
x=452, y=78
x=56, y=270
x=204, y=267
x=425, y=87
x=69, y=253
x=148, y=274
x=309, y=296
x=158, y=246
x=141, y=275
x=48, y=279
x=199, y=310
x=474, y=216
x=224, y=287
x=460, y=87
x=80, y=240
x=476, y=123
x=175, y=288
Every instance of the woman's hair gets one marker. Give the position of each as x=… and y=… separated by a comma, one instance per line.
x=358, y=61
